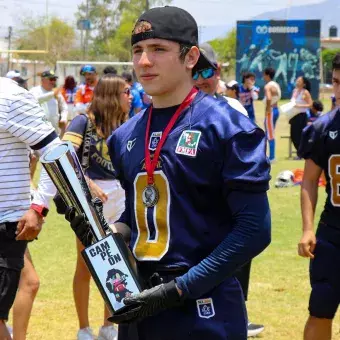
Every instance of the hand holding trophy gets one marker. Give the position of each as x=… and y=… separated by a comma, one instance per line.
x=109, y=260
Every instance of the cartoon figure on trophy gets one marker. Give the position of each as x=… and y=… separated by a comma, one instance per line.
x=116, y=284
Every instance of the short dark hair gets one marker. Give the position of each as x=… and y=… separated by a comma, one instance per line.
x=183, y=50
x=317, y=105
x=247, y=75
x=336, y=62
x=269, y=71
x=110, y=70
x=127, y=76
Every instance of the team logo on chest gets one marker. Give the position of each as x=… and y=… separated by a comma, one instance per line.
x=188, y=143
x=154, y=140
x=333, y=134
x=205, y=308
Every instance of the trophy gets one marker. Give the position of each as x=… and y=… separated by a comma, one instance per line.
x=109, y=260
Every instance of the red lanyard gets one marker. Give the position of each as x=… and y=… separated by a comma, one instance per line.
x=151, y=165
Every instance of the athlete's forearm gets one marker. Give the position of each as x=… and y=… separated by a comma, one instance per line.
x=309, y=198
x=250, y=235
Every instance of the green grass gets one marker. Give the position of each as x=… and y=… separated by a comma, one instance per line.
x=279, y=286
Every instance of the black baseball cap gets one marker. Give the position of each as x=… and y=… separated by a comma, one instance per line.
x=48, y=74
x=169, y=23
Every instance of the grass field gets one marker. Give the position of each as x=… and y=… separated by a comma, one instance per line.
x=279, y=287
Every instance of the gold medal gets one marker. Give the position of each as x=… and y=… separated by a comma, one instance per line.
x=150, y=196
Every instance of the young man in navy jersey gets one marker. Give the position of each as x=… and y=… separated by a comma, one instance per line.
x=321, y=148
x=196, y=177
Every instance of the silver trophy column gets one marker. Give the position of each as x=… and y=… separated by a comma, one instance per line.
x=62, y=165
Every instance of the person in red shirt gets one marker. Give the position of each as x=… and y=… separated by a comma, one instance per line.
x=85, y=91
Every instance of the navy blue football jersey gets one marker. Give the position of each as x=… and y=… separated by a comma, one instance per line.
x=211, y=150
x=321, y=143
x=100, y=165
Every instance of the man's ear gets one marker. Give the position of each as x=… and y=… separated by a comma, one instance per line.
x=192, y=57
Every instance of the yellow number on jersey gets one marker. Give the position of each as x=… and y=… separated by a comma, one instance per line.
x=144, y=248
x=334, y=174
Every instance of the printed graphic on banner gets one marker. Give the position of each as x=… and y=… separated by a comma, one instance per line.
x=205, y=308
x=291, y=47
x=114, y=275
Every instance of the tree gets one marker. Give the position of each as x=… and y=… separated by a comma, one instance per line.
x=225, y=48
x=57, y=36
x=112, y=22
x=327, y=56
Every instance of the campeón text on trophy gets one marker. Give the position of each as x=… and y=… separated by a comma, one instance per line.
x=109, y=260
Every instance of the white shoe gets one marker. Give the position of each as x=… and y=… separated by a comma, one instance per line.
x=85, y=334
x=107, y=333
x=10, y=331
x=254, y=329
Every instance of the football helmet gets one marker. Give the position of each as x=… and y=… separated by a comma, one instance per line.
x=284, y=179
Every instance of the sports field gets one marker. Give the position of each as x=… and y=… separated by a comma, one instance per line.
x=279, y=286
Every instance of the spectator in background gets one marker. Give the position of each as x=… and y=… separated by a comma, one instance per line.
x=248, y=93
x=54, y=106
x=233, y=89
x=146, y=99
x=314, y=112
x=24, y=124
x=207, y=79
x=52, y=102
x=14, y=75
x=69, y=91
x=136, y=104
x=85, y=91
x=272, y=92
x=303, y=101
x=110, y=70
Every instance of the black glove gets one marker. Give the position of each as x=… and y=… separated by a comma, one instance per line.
x=80, y=226
x=149, y=302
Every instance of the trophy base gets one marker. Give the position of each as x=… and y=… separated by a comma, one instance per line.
x=112, y=271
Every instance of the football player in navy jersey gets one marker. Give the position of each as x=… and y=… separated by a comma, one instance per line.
x=321, y=148
x=195, y=175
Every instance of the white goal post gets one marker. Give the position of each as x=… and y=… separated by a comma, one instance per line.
x=66, y=68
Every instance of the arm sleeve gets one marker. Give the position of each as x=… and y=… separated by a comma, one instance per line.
x=249, y=236
x=26, y=120
x=63, y=109
x=46, y=189
x=42, y=97
x=246, y=177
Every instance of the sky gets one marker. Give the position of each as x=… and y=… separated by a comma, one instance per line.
x=214, y=17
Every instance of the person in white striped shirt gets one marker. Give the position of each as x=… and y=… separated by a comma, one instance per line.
x=23, y=124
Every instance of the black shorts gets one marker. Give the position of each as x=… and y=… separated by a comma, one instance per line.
x=9, y=282
x=11, y=251
x=325, y=274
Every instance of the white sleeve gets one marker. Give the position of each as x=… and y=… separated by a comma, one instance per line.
x=42, y=97
x=63, y=108
x=46, y=189
x=26, y=120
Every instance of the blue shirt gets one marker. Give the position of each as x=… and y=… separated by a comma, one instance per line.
x=212, y=151
x=136, y=102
